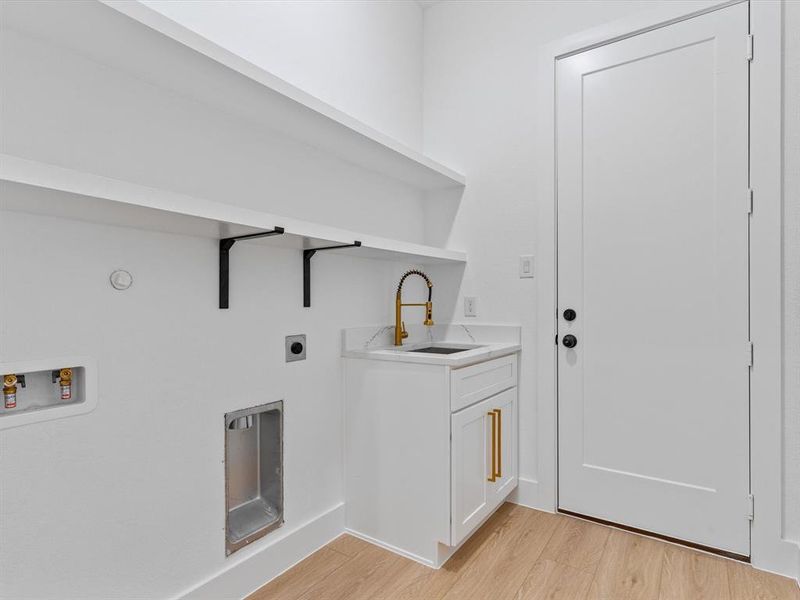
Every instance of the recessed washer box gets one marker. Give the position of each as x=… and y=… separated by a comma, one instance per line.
x=41, y=398
x=253, y=474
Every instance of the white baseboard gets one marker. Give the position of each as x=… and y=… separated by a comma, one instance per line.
x=795, y=551
x=250, y=568
x=256, y=566
x=528, y=494
x=781, y=557
x=390, y=548
x=796, y=573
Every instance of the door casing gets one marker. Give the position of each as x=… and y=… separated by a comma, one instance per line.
x=769, y=550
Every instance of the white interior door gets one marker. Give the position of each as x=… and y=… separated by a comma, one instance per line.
x=652, y=147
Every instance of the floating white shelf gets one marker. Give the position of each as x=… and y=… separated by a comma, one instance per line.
x=97, y=199
x=134, y=38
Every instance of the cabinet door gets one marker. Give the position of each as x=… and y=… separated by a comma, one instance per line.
x=471, y=468
x=505, y=403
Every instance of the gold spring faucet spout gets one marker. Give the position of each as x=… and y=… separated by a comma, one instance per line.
x=400, y=332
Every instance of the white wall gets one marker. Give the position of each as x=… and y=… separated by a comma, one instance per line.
x=63, y=108
x=792, y=268
x=128, y=501
x=480, y=116
x=364, y=58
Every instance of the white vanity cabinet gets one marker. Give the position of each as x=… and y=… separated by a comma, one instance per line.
x=430, y=451
x=483, y=460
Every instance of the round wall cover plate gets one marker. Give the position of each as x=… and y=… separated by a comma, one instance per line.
x=121, y=279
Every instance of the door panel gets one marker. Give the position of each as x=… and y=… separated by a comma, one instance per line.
x=471, y=452
x=506, y=403
x=653, y=257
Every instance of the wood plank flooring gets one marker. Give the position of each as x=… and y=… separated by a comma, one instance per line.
x=523, y=554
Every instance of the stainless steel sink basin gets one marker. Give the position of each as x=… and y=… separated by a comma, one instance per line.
x=440, y=350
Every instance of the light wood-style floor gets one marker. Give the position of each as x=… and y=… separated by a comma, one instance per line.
x=524, y=554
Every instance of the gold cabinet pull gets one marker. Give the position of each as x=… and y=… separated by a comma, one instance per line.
x=493, y=414
x=499, y=442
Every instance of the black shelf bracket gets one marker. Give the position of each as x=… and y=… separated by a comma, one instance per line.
x=224, y=248
x=307, y=254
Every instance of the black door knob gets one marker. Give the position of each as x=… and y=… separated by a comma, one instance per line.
x=296, y=348
x=569, y=341
x=570, y=314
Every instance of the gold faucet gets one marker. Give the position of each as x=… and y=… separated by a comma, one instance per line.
x=400, y=332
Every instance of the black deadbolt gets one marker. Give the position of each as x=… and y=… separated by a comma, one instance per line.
x=569, y=341
x=296, y=348
x=570, y=314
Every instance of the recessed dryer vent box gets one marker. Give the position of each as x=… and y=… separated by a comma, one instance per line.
x=253, y=474
x=37, y=392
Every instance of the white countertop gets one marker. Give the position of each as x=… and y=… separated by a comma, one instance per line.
x=483, y=342
x=458, y=359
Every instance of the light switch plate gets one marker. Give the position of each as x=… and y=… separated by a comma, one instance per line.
x=526, y=266
x=470, y=306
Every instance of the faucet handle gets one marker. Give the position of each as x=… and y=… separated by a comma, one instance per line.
x=403, y=332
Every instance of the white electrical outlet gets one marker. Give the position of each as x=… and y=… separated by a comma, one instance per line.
x=470, y=306
x=526, y=266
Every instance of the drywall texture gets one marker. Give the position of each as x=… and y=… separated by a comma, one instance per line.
x=364, y=58
x=791, y=254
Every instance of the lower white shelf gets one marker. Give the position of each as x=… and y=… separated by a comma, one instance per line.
x=28, y=186
x=38, y=393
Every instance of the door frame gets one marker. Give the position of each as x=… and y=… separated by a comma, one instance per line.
x=769, y=551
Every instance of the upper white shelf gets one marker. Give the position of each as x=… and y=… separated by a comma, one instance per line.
x=98, y=199
x=136, y=39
